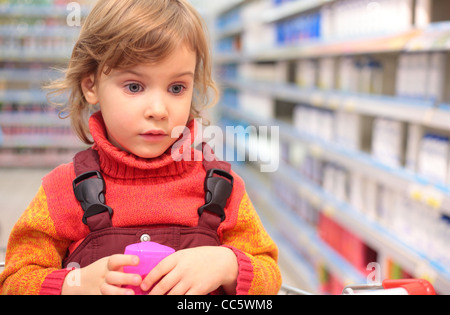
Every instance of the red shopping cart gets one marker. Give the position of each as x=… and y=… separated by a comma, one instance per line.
x=387, y=287
x=392, y=287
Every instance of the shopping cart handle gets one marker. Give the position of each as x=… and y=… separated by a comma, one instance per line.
x=412, y=286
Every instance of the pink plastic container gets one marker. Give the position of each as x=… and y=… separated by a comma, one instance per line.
x=150, y=254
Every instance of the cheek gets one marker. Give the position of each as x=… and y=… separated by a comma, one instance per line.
x=113, y=110
x=181, y=115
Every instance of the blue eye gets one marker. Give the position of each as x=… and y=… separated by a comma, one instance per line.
x=177, y=89
x=134, y=87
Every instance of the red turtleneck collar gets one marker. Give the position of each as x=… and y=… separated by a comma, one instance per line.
x=119, y=164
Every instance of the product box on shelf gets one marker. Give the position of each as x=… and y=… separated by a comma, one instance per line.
x=352, y=248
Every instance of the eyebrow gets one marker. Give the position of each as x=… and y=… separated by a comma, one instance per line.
x=137, y=73
x=182, y=74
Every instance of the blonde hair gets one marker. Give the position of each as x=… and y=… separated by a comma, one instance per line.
x=119, y=34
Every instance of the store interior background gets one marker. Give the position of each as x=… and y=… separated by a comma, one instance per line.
x=359, y=91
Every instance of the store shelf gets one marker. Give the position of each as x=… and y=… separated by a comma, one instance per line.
x=51, y=140
x=397, y=178
x=35, y=37
x=375, y=235
x=299, y=235
x=38, y=119
x=436, y=37
x=231, y=30
x=35, y=96
x=433, y=37
x=229, y=5
x=38, y=31
x=28, y=76
x=36, y=11
x=414, y=40
x=53, y=54
x=36, y=158
x=318, y=48
x=291, y=8
x=404, y=109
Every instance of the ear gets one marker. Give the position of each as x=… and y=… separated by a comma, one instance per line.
x=90, y=89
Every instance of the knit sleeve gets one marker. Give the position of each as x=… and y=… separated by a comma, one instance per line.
x=34, y=253
x=256, y=252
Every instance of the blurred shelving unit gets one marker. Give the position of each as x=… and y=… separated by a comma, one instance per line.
x=360, y=93
x=34, y=38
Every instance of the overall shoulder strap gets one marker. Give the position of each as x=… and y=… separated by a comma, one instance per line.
x=210, y=161
x=89, y=188
x=86, y=161
x=218, y=186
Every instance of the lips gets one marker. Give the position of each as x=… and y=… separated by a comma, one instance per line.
x=154, y=135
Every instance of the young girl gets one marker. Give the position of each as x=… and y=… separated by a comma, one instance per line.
x=146, y=64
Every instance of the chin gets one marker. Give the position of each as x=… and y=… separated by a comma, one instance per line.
x=149, y=155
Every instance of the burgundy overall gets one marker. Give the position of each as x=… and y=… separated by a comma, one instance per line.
x=105, y=240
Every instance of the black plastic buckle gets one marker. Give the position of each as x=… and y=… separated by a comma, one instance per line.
x=90, y=192
x=217, y=192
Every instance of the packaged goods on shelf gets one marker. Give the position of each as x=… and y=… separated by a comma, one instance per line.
x=414, y=136
x=421, y=76
x=229, y=19
x=423, y=228
x=35, y=38
x=351, y=130
x=301, y=28
x=346, y=19
x=257, y=36
x=230, y=97
x=318, y=122
x=346, y=243
x=307, y=73
x=356, y=18
x=329, y=282
x=267, y=72
x=434, y=158
x=347, y=129
x=259, y=105
x=280, y=2
x=388, y=142
x=326, y=74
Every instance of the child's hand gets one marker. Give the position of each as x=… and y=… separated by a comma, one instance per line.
x=195, y=271
x=115, y=277
x=105, y=276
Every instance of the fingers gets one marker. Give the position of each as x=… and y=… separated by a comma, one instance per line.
x=120, y=278
x=170, y=278
x=156, y=279
x=172, y=283
x=117, y=262
x=116, y=279
x=165, y=285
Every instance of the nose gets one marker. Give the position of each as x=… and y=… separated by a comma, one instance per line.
x=155, y=107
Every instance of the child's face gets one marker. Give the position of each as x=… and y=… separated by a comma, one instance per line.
x=142, y=105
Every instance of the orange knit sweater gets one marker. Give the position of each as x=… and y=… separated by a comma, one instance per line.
x=142, y=192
